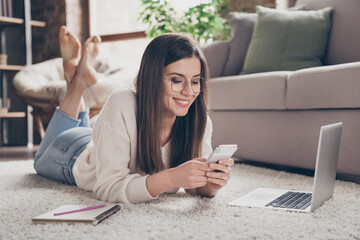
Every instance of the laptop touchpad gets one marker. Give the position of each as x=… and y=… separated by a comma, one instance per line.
x=261, y=196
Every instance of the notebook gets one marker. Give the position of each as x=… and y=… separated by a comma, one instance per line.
x=93, y=216
x=324, y=180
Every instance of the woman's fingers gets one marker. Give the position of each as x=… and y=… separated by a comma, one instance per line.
x=226, y=161
x=218, y=175
x=219, y=182
x=200, y=173
x=223, y=165
x=199, y=164
x=198, y=181
x=219, y=167
x=200, y=159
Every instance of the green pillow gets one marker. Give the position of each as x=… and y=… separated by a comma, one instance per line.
x=287, y=40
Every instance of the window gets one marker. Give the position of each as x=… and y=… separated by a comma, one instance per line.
x=123, y=36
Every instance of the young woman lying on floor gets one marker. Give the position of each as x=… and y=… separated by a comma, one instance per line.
x=145, y=142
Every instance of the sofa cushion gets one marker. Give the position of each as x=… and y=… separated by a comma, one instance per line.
x=261, y=91
x=284, y=40
x=242, y=26
x=336, y=86
x=344, y=37
x=216, y=55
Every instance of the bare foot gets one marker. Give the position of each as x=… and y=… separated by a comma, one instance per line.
x=85, y=77
x=86, y=73
x=70, y=52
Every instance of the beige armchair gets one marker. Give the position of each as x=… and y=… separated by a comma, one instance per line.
x=43, y=87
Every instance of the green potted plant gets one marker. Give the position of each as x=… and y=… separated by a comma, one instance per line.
x=203, y=21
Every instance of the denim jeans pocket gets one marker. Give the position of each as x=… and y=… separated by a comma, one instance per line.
x=70, y=138
x=70, y=142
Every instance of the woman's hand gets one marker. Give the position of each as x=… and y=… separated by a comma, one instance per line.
x=191, y=174
x=217, y=177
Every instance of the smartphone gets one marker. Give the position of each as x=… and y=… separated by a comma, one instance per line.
x=222, y=151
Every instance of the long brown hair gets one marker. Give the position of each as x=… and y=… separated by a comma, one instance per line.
x=187, y=131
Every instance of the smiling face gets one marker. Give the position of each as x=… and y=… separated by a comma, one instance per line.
x=178, y=103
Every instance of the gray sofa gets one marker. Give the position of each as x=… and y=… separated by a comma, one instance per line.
x=275, y=117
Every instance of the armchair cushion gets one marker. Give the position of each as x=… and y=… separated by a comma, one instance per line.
x=287, y=41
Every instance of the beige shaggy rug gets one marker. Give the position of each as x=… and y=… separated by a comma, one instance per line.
x=23, y=195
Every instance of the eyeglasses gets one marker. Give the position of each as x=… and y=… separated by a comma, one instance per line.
x=179, y=83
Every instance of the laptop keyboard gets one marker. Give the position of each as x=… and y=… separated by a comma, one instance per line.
x=292, y=200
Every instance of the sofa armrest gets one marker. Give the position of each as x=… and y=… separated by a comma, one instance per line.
x=325, y=87
x=216, y=55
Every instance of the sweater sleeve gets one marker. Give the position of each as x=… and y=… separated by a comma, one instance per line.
x=113, y=137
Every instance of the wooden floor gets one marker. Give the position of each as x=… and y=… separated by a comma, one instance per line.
x=17, y=153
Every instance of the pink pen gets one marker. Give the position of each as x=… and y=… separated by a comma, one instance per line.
x=79, y=210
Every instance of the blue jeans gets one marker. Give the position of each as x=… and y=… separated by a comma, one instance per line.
x=64, y=140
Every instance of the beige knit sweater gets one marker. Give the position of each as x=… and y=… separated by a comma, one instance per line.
x=108, y=165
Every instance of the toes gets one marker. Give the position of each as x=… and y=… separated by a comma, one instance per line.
x=90, y=48
x=75, y=40
x=62, y=31
x=96, y=39
x=65, y=34
x=89, y=40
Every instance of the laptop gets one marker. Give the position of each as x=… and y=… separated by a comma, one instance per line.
x=324, y=180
